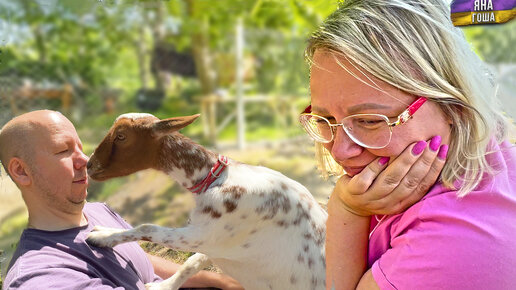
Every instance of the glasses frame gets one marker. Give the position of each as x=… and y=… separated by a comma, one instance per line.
x=401, y=119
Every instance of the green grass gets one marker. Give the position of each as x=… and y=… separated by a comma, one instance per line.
x=178, y=257
x=10, y=232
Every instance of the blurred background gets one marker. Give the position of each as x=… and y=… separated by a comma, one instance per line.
x=239, y=63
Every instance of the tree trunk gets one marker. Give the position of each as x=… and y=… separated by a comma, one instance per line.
x=140, y=55
x=158, y=35
x=201, y=51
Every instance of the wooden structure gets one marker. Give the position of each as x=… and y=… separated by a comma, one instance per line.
x=284, y=110
x=26, y=93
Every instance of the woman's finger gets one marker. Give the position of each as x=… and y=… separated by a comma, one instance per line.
x=390, y=178
x=412, y=183
x=429, y=180
x=361, y=182
x=418, y=180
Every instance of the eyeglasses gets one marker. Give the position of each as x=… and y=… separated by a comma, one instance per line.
x=367, y=130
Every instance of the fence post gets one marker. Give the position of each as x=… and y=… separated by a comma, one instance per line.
x=239, y=78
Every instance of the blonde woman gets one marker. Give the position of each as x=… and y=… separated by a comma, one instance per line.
x=401, y=104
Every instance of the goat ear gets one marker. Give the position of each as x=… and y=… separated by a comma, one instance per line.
x=166, y=126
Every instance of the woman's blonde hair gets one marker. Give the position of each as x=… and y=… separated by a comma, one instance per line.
x=413, y=46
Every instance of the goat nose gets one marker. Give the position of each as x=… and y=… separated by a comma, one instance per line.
x=88, y=165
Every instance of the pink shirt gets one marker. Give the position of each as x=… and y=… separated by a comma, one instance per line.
x=443, y=242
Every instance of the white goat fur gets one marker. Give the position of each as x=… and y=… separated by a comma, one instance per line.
x=257, y=225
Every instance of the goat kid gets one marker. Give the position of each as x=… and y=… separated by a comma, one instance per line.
x=258, y=226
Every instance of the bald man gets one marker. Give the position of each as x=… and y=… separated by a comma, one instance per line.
x=42, y=154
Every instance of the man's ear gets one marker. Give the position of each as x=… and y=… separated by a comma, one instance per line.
x=167, y=126
x=18, y=172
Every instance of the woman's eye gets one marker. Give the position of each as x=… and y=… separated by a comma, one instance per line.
x=330, y=119
x=63, y=151
x=369, y=122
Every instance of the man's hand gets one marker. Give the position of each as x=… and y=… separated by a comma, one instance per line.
x=203, y=279
x=228, y=283
x=383, y=188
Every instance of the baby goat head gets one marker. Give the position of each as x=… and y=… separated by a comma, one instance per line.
x=132, y=144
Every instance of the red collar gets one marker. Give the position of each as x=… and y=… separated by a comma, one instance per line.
x=215, y=172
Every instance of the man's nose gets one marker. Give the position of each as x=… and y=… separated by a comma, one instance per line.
x=81, y=160
x=343, y=147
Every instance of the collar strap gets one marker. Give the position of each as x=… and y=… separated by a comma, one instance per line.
x=214, y=173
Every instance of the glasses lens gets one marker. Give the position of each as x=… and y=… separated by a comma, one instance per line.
x=370, y=131
x=317, y=127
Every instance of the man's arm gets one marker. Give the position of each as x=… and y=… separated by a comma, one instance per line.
x=55, y=278
x=165, y=268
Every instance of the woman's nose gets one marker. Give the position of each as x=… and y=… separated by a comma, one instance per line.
x=343, y=147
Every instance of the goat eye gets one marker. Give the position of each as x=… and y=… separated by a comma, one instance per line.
x=120, y=137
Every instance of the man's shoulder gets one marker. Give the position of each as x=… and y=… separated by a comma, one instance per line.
x=99, y=213
x=95, y=207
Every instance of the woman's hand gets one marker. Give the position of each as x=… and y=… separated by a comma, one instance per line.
x=383, y=188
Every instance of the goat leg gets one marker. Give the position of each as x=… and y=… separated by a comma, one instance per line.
x=190, y=267
x=106, y=237
x=185, y=239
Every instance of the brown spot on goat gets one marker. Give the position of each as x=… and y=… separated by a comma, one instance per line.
x=293, y=279
x=210, y=210
x=320, y=234
x=230, y=205
x=282, y=223
x=315, y=281
x=300, y=258
x=274, y=202
x=310, y=262
x=235, y=191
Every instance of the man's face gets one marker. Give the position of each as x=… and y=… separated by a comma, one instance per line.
x=59, y=166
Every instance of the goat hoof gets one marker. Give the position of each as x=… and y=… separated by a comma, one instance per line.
x=153, y=286
x=104, y=237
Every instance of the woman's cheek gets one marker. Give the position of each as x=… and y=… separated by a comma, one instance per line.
x=394, y=149
x=328, y=146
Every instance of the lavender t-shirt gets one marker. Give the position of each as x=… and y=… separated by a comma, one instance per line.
x=63, y=260
x=445, y=242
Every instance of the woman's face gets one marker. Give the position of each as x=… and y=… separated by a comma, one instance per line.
x=337, y=94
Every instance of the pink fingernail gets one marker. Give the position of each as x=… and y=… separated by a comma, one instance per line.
x=383, y=160
x=443, y=151
x=419, y=147
x=435, y=142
